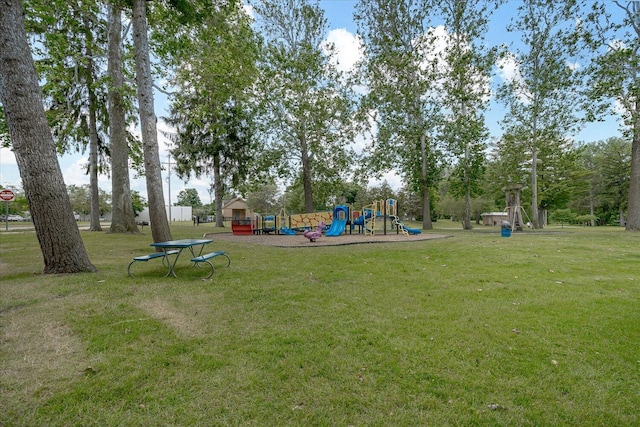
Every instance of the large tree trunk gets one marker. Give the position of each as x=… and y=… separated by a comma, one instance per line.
x=218, y=191
x=592, y=203
x=534, y=188
x=60, y=242
x=94, y=224
x=466, y=221
x=160, y=230
x=633, y=214
x=307, y=186
x=424, y=182
x=123, y=219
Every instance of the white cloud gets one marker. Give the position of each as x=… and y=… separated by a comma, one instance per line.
x=391, y=177
x=9, y=174
x=348, y=49
x=509, y=70
x=249, y=10
x=573, y=66
x=74, y=170
x=7, y=157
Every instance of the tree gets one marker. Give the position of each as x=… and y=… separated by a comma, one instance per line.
x=613, y=160
x=615, y=75
x=586, y=199
x=305, y=110
x=401, y=70
x=189, y=197
x=71, y=42
x=559, y=177
x=60, y=241
x=542, y=97
x=160, y=230
x=82, y=198
x=264, y=200
x=215, y=69
x=466, y=95
x=138, y=202
x=409, y=204
x=123, y=219
x=564, y=215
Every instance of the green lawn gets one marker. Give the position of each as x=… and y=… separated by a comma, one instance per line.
x=539, y=329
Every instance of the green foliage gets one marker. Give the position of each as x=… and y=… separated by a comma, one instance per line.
x=563, y=216
x=404, y=102
x=264, y=200
x=614, y=75
x=138, y=202
x=80, y=197
x=543, y=98
x=305, y=110
x=72, y=64
x=601, y=183
x=466, y=95
x=211, y=109
x=409, y=204
x=188, y=197
x=614, y=71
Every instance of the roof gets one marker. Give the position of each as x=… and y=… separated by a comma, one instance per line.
x=232, y=201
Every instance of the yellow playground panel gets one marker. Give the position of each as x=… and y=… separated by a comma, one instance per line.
x=310, y=220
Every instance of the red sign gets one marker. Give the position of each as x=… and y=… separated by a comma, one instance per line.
x=7, y=195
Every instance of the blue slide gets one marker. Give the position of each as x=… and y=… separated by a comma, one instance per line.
x=339, y=223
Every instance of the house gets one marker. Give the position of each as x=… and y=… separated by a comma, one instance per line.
x=494, y=218
x=236, y=209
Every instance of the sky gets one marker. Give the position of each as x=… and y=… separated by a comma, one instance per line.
x=342, y=32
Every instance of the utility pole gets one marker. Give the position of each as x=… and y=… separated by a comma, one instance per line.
x=168, y=163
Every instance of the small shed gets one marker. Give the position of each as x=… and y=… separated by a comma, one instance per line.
x=494, y=218
x=236, y=209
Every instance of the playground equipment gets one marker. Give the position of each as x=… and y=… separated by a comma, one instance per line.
x=312, y=235
x=514, y=211
x=405, y=230
x=339, y=221
x=281, y=223
x=381, y=210
x=242, y=226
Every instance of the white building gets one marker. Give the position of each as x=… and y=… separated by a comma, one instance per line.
x=174, y=213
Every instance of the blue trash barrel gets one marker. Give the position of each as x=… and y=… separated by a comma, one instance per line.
x=506, y=229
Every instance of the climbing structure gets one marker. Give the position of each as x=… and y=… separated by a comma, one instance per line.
x=370, y=212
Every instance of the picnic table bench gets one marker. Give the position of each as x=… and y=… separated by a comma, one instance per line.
x=206, y=257
x=145, y=258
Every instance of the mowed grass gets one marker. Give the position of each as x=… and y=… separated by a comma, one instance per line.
x=540, y=329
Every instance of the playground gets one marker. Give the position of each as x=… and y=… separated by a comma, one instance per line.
x=371, y=224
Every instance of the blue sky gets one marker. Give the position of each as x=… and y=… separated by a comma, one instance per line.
x=342, y=32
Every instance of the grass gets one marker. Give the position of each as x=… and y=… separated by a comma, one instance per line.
x=473, y=330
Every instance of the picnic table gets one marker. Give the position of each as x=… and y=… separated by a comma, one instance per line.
x=181, y=245
x=175, y=247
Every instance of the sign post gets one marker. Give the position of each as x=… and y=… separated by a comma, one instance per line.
x=7, y=196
